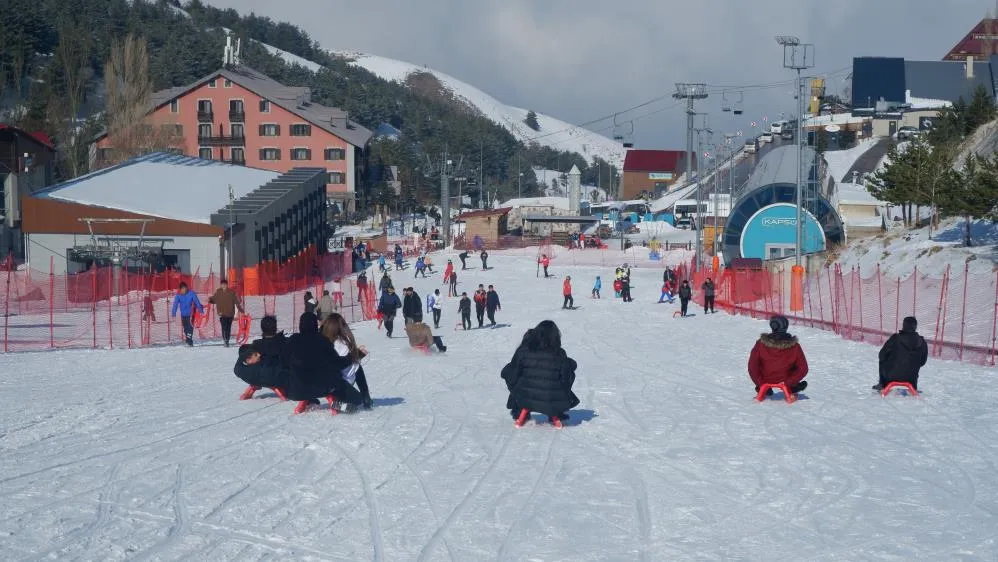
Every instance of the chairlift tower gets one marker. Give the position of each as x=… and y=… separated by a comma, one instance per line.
x=798, y=56
x=691, y=92
x=445, y=167
x=118, y=249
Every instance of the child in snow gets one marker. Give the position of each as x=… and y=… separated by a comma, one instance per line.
x=464, y=309
x=618, y=285
x=485, y=259
x=336, y=330
x=667, y=293
x=597, y=287
x=420, y=267
x=480, y=300
x=428, y=262
x=381, y=264
x=902, y=356
x=566, y=291
x=778, y=358
x=545, y=262
x=186, y=301
x=540, y=375
x=448, y=271
x=435, y=304
x=685, y=294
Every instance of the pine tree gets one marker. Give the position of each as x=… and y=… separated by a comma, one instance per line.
x=531, y=121
x=971, y=192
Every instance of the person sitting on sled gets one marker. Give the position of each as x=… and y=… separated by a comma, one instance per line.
x=421, y=337
x=902, y=356
x=778, y=358
x=263, y=364
x=540, y=375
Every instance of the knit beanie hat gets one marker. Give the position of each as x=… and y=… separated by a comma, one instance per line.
x=779, y=324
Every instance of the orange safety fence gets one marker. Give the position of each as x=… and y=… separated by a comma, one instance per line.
x=110, y=307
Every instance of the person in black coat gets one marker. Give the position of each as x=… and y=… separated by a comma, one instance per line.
x=540, y=375
x=492, y=304
x=388, y=306
x=463, y=256
x=269, y=369
x=310, y=302
x=315, y=367
x=464, y=309
x=902, y=356
x=485, y=259
x=412, y=307
x=625, y=288
x=685, y=294
x=708, y=295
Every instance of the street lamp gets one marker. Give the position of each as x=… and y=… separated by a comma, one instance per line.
x=798, y=56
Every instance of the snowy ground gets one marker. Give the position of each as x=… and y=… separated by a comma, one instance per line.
x=149, y=455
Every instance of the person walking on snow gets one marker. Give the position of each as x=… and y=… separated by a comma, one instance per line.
x=685, y=294
x=388, y=306
x=226, y=303
x=463, y=256
x=386, y=283
x=326, y=306
x=485, y=259
x=448, y=271
x=625, y=289
x=186, y=301
x=310, y=302
x=902, y=356
x=337, y=288
x=361, y=286
x=480, y=300
x=545, y=262
x=412, y=306
x=464, y=309
x=398, y=257
x=708, y=295
x=420, y=267
x=435, y=304
x=566, y=291
x=428, y=262
x=777, y=358
x=492, y=304
x=597, y=287
x=667, y=293
x=382, y=267
x=452, y=289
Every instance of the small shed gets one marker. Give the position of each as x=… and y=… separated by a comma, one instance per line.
x=486, y=225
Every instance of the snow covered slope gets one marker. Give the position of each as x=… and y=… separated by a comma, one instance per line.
x=553, y=132
x=149, y=455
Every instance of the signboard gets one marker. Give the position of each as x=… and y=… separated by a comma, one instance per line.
x=667, y=176
x=926, y=123
x=775, y=226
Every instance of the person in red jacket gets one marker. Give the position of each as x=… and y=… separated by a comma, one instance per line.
x=566, y=291
x=778, y=358
x=545, y=262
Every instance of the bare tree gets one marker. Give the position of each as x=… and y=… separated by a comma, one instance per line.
x=72, y=54
x=131, y=130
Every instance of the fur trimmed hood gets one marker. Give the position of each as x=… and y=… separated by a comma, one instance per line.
x=778, y=341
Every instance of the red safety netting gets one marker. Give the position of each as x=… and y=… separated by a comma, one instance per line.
x=114, y=308
x=957, y=312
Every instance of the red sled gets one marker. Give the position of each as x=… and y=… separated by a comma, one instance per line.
x=525, y=413
x=907, y=386
x=787, y=395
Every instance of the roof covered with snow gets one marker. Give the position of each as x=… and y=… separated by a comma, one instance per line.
x=556, y=202
x=778, y=166
x=162, y=185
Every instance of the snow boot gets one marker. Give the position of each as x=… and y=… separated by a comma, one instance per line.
x=798, y=387
x=248, y=393
x=368, y=403
x=878, y=387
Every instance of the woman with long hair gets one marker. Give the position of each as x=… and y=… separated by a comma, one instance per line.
x=336, y=330
x=540, y=375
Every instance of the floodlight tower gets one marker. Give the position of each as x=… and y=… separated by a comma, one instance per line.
x=798, y=56
x=691, y=92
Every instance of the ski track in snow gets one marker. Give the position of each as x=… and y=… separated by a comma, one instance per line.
x=148, y=455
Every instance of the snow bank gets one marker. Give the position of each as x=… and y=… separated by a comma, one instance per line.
x=292, y=58
x=841, y=161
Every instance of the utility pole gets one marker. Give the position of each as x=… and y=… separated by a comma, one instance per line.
x=691, y=92
x=698, y=220
x=798, y=56
x=445, y=168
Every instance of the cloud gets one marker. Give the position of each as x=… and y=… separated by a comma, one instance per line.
x=580, y=59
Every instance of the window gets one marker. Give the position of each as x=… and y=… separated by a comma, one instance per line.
x=178, y=130
x=238, y=156
x=175, y=106
x=227, y=83
x=335, y=154
x=212, y=83
x=301, y=130
x=204, y=153
x=264, y=106
x=237, y=130
x=270, y=154
x=174, y=150
x=337, y=178
x=301, y=154
x=204, y=130
x=171, y=130
x=270, y=130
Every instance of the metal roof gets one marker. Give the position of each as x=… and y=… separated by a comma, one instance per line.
x=778, y=166
x=559, y=219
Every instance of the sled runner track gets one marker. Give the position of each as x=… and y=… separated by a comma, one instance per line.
x=278, y=544
x=541, y=476
x=181, y=519
x=106, y=500
x=637, y=483
x=372, y=504
x=135, y=447
x=459, y=508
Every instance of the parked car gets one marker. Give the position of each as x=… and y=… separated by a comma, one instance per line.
x=766, y=137
x=906, y=133
x=777, y=127
x=751, y=146
x=787, y=134
x=684, y=223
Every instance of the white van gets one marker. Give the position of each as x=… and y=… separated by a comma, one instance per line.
x=777, y=127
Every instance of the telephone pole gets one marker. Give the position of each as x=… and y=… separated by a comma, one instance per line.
x=445, y=168
x=691, y=92
x=701, y=132
x=798, y=56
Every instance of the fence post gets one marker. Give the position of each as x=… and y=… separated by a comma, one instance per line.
x=93, y=301
x=880, y=302
x=940, y=316
x=51, y=301
x=963, y=313
x=110, y=323
x=128, y=311
x=914, y=290
x=897, y=307
x=6, y=307
x=994, y=323
x=862, y=328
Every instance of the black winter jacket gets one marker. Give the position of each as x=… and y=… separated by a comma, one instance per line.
x=464, y=306
x=492, y=300
x=541, y=381
x=708, y=288
x=316, y=369
x=902, y=357
x=272, y=369
x=412, y=307
x=685, y=292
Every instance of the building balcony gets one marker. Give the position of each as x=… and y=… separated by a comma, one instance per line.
x=237, y=116
x=222, y=140
x=237, y=160
x=206, y=116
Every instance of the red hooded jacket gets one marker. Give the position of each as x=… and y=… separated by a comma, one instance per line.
x=777, y=358
x=566, y=288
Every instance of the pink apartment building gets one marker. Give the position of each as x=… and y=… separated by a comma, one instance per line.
x=241, y=116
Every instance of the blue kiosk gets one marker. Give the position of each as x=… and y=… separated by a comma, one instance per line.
x=763, y=220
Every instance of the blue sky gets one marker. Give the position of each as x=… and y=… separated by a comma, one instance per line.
x=582, y=59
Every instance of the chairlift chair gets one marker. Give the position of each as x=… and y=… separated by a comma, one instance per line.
x=725, y=104
x=738, y=110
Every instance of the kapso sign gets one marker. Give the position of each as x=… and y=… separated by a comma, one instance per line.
x=779, y=222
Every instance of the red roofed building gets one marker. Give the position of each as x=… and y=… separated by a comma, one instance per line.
x=652, y=171
x=980, y=43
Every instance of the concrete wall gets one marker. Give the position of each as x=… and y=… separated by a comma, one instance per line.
x=40, y=248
